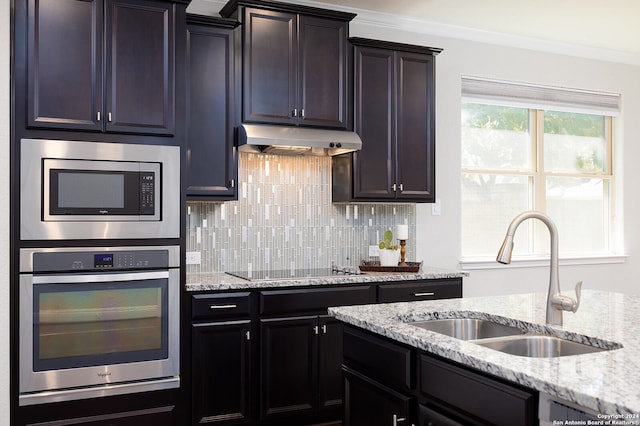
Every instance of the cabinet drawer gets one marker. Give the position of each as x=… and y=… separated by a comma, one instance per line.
x=311, y=300
x=423, y=290
x=379, y=359
x=477, y=395
x=222, y=305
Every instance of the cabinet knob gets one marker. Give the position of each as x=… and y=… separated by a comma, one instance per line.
x=109, y=117
x=401, y=188
x=98, y=116
x=315, y=329
x=302, y=112
x=430, y=293
x=393, y=187
x=294, y=113
x=324, y=329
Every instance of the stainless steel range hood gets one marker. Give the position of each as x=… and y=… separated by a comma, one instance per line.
x=285, y=140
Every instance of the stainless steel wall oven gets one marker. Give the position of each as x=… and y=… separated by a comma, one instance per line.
x=98, y=321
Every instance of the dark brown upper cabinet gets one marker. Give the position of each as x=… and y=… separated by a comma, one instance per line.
x=296, y=64
x=394, y=91
x=101, y=65
x=212, y=163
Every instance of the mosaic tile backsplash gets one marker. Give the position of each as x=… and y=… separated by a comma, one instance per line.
x=284, y=219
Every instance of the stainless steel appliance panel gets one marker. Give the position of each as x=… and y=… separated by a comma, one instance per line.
x=98, y=325
x=37, y=156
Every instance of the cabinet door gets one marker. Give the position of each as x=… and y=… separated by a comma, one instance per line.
x=429, y=417
x=477, y=396
x=330, y=362
x=211, y=157
x=374, y=165
x=416, y=127
x=139, y=41
x=64, y=84
x=323, y=72
x=288, y=361
x=368, y=403
x=221, y=365
x=269, y=75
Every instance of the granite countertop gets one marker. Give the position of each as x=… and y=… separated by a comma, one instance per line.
x=221, y=281
x=606, y=382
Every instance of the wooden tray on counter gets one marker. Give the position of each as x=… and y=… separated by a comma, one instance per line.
x=374, y=266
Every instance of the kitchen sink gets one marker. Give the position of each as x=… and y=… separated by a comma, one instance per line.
x=538, y=346
x=507, y=339
x=468, y=328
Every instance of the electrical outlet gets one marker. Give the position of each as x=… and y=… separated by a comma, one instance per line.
x=193, y=258
x=373, y=251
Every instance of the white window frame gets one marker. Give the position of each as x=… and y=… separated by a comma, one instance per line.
x=537, y=99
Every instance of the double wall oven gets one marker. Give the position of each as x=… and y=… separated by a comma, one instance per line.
x=97, y=318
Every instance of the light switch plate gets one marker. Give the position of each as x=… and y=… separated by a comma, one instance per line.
x=193, y=258
x=373, y=251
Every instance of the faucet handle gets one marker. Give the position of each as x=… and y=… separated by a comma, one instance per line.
x=566, y=303
x=578, y=296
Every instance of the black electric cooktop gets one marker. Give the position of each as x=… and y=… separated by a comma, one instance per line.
x=292, y=274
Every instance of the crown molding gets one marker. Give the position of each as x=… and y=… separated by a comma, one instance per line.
x=374, y=20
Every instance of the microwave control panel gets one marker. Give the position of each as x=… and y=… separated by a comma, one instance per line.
x=147, y=192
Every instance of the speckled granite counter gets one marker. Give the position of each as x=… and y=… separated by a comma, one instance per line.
x=221, y=281
x=607, y=382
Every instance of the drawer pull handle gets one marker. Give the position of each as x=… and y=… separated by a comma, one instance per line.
x=397, y=419
x=430, y=293
x=212, y=307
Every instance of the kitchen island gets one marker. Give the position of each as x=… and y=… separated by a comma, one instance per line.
x=606, y=382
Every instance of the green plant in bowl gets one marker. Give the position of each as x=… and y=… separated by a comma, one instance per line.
x=388, y=252
x=385, y=244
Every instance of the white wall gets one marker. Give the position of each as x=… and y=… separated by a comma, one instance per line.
x=439, y=236
x=5, y=36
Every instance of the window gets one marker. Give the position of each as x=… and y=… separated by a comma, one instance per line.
x=517, y=158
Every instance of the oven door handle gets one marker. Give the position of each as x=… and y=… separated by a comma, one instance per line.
x=98, y=278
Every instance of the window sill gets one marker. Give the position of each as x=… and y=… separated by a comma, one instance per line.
x=477, y=263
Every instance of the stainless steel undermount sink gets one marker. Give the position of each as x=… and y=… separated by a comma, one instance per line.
x=468, y=328
x=507, y=339
x=538, y=346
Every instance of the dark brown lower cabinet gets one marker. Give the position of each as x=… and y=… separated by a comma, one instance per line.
x=288, y=370
x=391, y=384
x=221, y=360
x=136, y=409
x=300, y=366
x=475, y=398
x=368, y=403
x=429, y=417
x=151, y=417
x=289, y=365
x=329, y=363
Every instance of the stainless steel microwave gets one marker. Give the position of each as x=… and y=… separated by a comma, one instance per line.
x=97, y=190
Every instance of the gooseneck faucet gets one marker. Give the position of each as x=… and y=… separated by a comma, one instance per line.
x=556, y=302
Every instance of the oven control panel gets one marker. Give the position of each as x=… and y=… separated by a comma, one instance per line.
x=111, y=260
